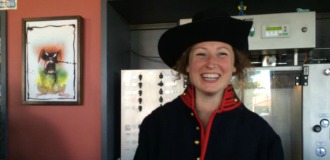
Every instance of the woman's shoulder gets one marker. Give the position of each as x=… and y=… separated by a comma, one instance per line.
x=172, y=106
x=168, y=110
x=253, y=119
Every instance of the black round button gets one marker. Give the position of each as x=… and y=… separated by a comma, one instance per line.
x=317, y=128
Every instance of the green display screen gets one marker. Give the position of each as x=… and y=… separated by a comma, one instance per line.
x=277, y=28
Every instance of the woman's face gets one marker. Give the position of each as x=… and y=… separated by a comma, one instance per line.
x=211, y=66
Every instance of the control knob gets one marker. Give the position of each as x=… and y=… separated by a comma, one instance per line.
x=321, y=152
x=324, y=123
x=327, y=71
x=317, y=128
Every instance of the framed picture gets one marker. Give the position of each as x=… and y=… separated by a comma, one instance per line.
x=52, y=60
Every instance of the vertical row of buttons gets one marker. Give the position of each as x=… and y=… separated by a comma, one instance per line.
x=161, y=84
x=197, y=128
x=324, y=123
x=140, y=92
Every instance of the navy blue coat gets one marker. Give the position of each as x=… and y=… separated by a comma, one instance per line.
x=174, y=132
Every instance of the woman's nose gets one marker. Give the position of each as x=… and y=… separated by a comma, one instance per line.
x=211, y=62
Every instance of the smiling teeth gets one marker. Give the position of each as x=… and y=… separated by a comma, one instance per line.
x=211, y=76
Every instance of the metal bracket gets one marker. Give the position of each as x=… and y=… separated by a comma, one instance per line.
x=302, y=79
x=297, y=81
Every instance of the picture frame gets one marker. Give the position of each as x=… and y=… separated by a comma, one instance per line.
x=52, y=58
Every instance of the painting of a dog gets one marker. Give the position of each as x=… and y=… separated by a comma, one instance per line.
x=51, y=78
x=51, y=60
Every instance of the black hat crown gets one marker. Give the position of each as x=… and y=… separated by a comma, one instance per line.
x=208, y=25
x=209, y=14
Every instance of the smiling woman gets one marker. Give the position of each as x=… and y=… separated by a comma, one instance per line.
x=210, y=68
x=208, y=121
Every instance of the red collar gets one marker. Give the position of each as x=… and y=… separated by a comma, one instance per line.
x=229, y=100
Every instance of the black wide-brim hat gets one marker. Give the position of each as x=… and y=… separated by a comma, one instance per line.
x=208, y=25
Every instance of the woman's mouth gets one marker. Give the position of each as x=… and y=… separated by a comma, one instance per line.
x=210, y=76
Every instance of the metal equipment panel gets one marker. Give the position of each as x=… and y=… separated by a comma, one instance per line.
x=281, y=30
x=316, y=112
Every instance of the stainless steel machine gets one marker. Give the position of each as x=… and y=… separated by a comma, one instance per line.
x=290, y=87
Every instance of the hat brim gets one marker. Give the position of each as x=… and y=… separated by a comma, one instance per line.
x=176, y=40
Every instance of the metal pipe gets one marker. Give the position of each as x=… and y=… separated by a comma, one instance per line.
x=295, y=57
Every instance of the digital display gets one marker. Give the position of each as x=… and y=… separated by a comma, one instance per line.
x=276, y=28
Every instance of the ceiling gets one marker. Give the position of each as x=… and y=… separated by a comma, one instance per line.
x=170, y=11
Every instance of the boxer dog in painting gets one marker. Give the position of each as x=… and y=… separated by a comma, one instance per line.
x=52, y=77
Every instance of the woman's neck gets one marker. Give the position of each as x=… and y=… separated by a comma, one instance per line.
x=207, y=103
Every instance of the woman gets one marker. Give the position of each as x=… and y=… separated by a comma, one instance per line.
x=208, y=121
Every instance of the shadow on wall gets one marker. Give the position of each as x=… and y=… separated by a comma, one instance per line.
x=33, y=138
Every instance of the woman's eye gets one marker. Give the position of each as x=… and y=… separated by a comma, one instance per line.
x=222, y=53
x=200, y=54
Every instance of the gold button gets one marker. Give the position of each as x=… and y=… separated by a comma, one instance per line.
x=198, y=128
x=196, y=142
x=198, y=158
x=184, y=93
x=235, y=99
x=192, y=113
